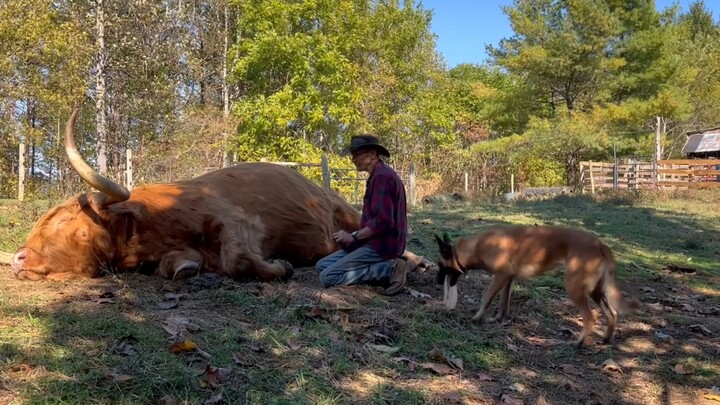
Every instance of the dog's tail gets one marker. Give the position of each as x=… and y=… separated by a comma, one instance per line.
x=609, y=285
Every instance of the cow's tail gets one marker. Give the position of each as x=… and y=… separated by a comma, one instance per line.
x=615, y=300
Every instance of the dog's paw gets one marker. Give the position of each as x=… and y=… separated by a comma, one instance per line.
x=478, y=320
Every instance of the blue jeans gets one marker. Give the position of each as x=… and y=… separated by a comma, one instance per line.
x=362, y=265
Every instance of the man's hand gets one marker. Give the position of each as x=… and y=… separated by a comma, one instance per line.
x=343, y=238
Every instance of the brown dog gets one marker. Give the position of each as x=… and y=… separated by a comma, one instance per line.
x=522, y=252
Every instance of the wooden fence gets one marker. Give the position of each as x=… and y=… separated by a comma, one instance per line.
x=333, y=174
x=329, y=175
x=682, y=173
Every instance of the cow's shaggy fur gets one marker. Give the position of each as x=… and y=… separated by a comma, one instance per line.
x=233, y=221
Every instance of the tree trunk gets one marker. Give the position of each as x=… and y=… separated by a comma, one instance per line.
x=228, y=157
x=100, y=74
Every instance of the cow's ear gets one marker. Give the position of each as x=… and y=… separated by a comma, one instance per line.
x=446, y=238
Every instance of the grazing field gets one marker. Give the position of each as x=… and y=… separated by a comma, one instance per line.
x=134, y=339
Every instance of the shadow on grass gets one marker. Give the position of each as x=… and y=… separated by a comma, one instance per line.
x=58, y=344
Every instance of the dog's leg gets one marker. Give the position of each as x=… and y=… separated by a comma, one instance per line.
x=581, y=301
x=499, y=281
x=504, y=302
x=598, y=295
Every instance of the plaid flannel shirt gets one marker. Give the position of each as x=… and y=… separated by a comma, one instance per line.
x=385, y=212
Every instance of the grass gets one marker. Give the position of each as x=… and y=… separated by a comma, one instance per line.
x=60, y=344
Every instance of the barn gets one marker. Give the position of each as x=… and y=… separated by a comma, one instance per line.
x=703, y=144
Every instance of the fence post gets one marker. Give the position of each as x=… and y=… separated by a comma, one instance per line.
x=592, y=178
x=616, y=175
x=412, y=184
x=21, y=172
x=128, y=169
x=466, y=182
x=512, y=182
x=357, y=185
x=325, y=171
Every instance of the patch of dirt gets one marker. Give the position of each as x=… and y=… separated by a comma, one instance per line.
x=387, y=340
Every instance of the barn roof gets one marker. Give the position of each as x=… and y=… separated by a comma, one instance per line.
x=706, y=140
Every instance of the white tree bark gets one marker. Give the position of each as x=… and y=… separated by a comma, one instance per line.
x=100, y=88
x=228, y=158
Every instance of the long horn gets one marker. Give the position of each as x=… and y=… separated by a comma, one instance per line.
x=114, y=191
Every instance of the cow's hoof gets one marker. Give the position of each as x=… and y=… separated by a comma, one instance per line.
x=186, y=269
x=289, y=270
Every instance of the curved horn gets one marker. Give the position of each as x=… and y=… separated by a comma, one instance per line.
x=114, y=191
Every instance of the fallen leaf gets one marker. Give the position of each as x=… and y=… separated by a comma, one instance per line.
x=120, y=378
x=242, y=359
x=512, y=347
x=167, y=400
x=256, y=348
x=661, y=336
x=571, y=369
x=93, y=352
x=680, y=369
x=20, y=367
x=543, y=341
x=173, y=296
x=211, y=377
x=167, y=304
x=187, y=345
x=417, y=294
x=647, y=289
x=657, y=307
x=384, y=348
x=441, y=369
x=455, y=362
x=485, y=377
x=105, y=301
x=700, y=329
x=688, y=307
x=712, y=393
x=178, y=326
x=316, y=312
x=214, y=400
x=292, y=345
x=517, y=387
x=507, y=399
x=436, y=354
x=611, y=365
x=680, y=269
x=426, y=221
x=125, y=349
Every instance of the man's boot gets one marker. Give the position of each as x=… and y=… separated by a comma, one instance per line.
x=398, y=277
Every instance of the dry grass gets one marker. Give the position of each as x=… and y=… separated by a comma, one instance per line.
x=102, y=341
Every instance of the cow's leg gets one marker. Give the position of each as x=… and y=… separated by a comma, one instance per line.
x=180, y=264
x=241, y=256
x=420, y=263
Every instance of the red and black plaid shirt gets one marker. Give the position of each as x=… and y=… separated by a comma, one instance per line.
x=385, y=212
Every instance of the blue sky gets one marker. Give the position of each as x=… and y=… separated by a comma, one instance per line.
x=464, y=27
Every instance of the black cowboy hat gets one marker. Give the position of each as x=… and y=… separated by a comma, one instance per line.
x=365, y=141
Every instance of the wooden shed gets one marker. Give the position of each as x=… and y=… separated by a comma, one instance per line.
x=703, y=144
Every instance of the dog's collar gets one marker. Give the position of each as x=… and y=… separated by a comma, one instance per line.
x=462, y=268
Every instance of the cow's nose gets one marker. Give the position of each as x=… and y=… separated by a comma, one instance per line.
x=18, y=260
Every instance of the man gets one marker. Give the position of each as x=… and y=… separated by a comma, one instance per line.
x=372, y=253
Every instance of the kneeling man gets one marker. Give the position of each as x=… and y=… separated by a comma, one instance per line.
x=372, y=253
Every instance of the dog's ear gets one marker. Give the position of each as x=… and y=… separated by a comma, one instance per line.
x=439, y=241
x=444, y=245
